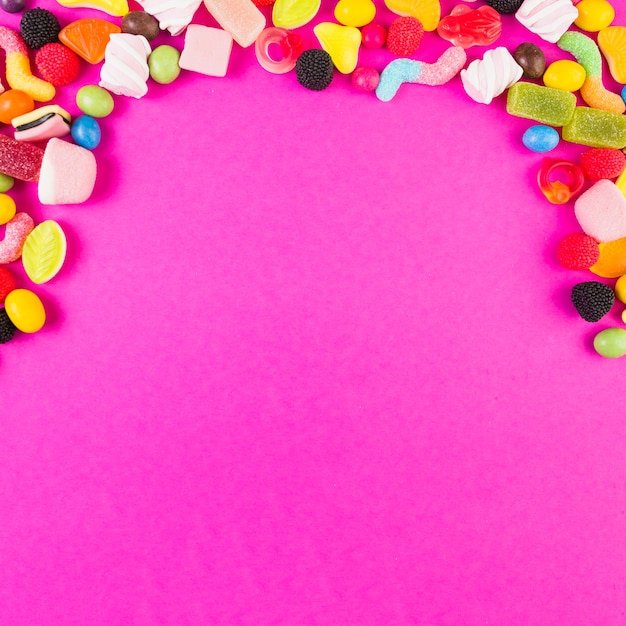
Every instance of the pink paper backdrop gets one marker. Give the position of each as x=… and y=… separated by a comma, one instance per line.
x=311, y=360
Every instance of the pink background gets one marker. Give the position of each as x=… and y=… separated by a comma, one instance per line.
x=311, y=360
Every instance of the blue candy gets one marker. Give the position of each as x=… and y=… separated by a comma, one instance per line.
x=86, y=131
x=541, y=138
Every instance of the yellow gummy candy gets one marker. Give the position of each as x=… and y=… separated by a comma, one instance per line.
x=428, y=12
x=594, y=15
x=117, y=8
x=294, y=13
x=341, y=42
x=44, y=252
x=612, y=42
x=612, y=261
x=355, y=12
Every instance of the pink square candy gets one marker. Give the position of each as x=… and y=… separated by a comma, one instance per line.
x=206, y=50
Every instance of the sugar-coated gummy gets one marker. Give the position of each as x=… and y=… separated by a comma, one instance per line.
x=596, y=128
x=238, y=17
x=598, y=163
x=546, y=105
x=578, y=252
x=404, y=36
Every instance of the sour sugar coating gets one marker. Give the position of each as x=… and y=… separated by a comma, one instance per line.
x=20, y=160
x=173, y=17
x=486, y=78
x=547, y=18
x=401, y=71
x=18, y=72
x=125, y=71
x=239, y=17
x=596, y=128
x=546, y=105
x=587, y=53
x=14, y=237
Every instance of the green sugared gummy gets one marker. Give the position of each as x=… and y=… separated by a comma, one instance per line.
x=6, y=182
x=596, y=128
x=610, y=343
x=546, y=105
x=584, y=49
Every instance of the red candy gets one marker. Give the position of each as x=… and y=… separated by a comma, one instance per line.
x=57, y=64
x=7, y=284
x=467, y=27
x=373, y=35
x=365, y=79
x=578, y=252
x=559, y=180
x=599, y=163
x=405, y=36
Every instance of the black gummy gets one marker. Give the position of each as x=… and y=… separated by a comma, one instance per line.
x=592, y=299
x=7, y=328
x=39, y=27
x=505, y=7
x=315, y=69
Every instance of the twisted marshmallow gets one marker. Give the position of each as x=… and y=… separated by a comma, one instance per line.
x=125, y=71
x=485, y=79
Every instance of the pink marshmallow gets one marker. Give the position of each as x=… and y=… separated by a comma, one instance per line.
x=601, y=212
x=206, y=50
x=239, y=17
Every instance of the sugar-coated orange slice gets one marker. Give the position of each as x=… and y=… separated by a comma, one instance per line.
x=88, y=37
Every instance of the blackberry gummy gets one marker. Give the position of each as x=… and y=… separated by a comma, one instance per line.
x=593, y=300
x=315, y=69
x=7, y=328
x=39, y=27
x=505, y=7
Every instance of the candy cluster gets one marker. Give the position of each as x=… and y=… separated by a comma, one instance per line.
x=54, y=151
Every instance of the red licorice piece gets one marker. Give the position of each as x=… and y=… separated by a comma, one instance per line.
x=559, y=180
x=467, y=27
x=599, y=163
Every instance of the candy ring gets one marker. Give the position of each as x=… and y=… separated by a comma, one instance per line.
x=14, y=237
x=290, y=46
x=557, y=191
x=18, y=71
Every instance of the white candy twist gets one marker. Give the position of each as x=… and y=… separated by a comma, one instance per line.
x=125, y=71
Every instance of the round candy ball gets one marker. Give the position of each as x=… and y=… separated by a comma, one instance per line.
x=94, y=100
x=374, y=35
x=13, y=103
x=13, y=6
x=163, y=64
x=86, y=132
x=365, y=79
x=540, y=138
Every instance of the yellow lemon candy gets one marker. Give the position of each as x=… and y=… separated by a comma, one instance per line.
x=620, y=289
x=341, y=42
x=25, y=310
x=7, y=208
x=355, y=12
x=565, y=75
x=594, y=15
x=428, y=12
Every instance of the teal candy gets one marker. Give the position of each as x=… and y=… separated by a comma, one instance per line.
x=395, y=74
x=86, y=132
x=611, y=343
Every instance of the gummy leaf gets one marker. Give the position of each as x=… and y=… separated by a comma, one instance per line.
x=44, y=251
x=294, y=13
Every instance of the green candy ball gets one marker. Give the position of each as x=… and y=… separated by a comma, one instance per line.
x=94, y=100
x=611, y=343
x=6, y=182
x=163, y=64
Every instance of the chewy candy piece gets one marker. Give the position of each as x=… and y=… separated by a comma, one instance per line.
x=594, y=15
x=88, y=38
x=25, y=310
x=289, y=14
x=14, y=237
x=18, y=72
x=20, y=160
x=610, y=343
x=467, y=27
x=125, y=71
x=355, y=12
x=39, y=27
x=612, y=43
x=341, y=42
x=428, y=12
x=547, y=18
x=587, y=53
x=612, y=259
x=240, y=18
x=68, y=173
x=46, y=126
x=404, y=36
x=598, y=163
x=173, y=17
x=592, y=299
x=402, y=71
x=117, y=8
x=44, y=252
x=596, y=128
x=555, y=190
x=57, y=64
x=546, y=105
x=578, y=252
x=206, y=50
x=485, y=79
x=601, y=212
x=290, y=46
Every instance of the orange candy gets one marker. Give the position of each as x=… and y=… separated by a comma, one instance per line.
x=14, y=103
x=612, y=261
x=88, y=37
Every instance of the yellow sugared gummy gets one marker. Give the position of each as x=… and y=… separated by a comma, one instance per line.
x=355, y=12
x=620, y=289
x=7, y=208
x=594, y=15
x=25, y=310
x=564, y=74
x=19, y=76
x=428, y=12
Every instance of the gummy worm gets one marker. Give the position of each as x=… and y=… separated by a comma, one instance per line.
x=18, y=71
x=586, y=52
x=401, y=71
x=14, y=237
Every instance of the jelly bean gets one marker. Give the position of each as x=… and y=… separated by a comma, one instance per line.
x=558, y=191
x=94, y=100
x=13, y=6
x=25, y=310
x=14, y=103
x=290, y=45
x=374, y=35
x=565, y=74
x=141, y=23
x=620, y=289
x=531, y=59
x=355, y=12
x=610, y=343
x=594, y=15
x=7, y=208
x=163, y=64
x=6, y=182
x=86, y=132
x=541, y=138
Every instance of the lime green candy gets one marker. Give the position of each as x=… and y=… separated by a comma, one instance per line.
x=94, y=100
x=6, y=182
x=596, y=128
x=611, y=343
x=553, y=107
x=163, y=64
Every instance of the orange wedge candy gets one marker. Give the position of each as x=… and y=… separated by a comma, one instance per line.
x=88, y=37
